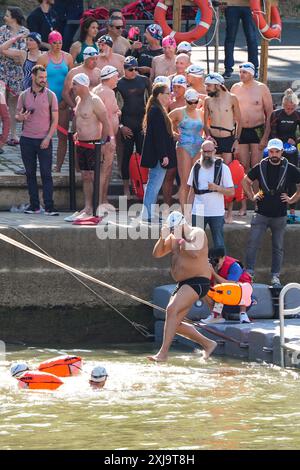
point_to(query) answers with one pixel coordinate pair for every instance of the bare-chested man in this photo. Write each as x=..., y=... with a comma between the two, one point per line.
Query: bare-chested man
x=164, y=64
x=91, y=126
x=107, y=56
x=256, y=106
x=221, y=116
x=182, y=61
x=89, y=68
x=109, y=79
x=195, y=78
x=115, y=29
x=222, y=120
x=191, y=270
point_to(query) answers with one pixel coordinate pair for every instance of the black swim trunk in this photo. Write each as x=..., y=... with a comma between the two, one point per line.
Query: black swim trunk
x=224, y=144
x=201, y=285
x=86, y=155
x=252, y=135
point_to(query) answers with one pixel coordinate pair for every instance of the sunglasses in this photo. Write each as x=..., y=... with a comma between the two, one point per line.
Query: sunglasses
x=118, y=27
x=57, y=42
x=192, y=102
x=131, y=69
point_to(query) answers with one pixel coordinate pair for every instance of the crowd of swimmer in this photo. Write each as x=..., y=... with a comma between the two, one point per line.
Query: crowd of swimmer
x=113, y=89
x=49, y=374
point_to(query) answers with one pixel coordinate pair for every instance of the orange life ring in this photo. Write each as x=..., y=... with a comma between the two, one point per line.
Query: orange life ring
x=62, y=366
x=39, y=381
x=196, y=33
x=272, y=31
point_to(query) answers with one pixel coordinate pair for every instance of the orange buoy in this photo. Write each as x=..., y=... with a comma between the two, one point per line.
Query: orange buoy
x=231, y=293
x=39, y=381
x=269, y=32
x=200, y=30
x=237, y=172
x=62, y=366
x=138, y=175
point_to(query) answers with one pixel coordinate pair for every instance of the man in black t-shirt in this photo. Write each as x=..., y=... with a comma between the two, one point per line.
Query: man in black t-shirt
x=274, y=175
x=132, y=94
x=43, y=20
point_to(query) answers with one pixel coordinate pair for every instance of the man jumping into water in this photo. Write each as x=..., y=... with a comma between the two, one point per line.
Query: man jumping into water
x=190, y=269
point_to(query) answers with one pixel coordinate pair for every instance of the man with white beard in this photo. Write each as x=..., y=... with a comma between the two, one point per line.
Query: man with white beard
x=210, y=180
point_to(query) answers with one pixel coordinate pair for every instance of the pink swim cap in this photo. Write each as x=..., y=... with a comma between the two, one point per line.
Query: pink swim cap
x=54, y=36
x=169, y=41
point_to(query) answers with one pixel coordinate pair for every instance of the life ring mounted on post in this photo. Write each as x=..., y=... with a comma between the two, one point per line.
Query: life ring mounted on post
x=269, y=32
x=200, y=30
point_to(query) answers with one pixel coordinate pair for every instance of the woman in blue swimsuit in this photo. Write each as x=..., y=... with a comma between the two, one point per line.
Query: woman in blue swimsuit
x=58, y=63
x=188, y=128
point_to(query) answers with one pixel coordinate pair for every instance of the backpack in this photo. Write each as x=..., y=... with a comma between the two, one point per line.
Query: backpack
x=217, y=176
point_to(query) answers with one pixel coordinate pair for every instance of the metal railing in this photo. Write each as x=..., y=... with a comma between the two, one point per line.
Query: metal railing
x=295, y=347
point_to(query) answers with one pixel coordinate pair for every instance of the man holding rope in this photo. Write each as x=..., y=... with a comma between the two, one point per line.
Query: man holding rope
x=191, y=270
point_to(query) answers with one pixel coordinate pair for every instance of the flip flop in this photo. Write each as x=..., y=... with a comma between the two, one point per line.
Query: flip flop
x=12, y=142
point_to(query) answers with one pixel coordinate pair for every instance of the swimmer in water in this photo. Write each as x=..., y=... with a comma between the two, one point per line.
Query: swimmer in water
x=98, y=377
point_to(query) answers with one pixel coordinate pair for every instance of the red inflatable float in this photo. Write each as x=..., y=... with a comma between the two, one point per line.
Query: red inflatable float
x=39, y=381
x=62, y=366
x=138, y=175
x=237, y=172
x=200, y=30
x=267, y=31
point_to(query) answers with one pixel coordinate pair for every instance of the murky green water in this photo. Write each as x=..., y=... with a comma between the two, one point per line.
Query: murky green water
x=185, y=404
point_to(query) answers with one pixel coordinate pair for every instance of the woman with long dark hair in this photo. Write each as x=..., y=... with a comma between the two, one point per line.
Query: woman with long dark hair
x=158, y=152
x=11, y=71
x=88, y=31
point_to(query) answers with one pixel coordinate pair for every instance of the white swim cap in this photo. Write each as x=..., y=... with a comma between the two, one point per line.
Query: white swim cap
x=89, y=52
x=191, y=95
x=163, y=80
x=98, y=374
x=81, y=79
x=196, y=70
x=248, y=67
x=108, y=71
x=179, y=80
x=18, y=369
x=214, y=78
x=175, y=219
x=184, y=46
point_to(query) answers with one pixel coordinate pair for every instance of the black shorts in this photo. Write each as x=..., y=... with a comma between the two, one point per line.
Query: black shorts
x=86, y=156
x=201, y=285
x=252, y=135
x=224, y=144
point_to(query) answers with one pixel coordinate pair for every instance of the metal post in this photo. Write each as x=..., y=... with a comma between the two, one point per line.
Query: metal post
x=97, y=177
x=72, y=179
x=217, y=38
x=207, y=53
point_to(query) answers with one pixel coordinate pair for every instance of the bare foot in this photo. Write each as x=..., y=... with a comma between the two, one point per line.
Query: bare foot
x=241, y=213
x=229, y=219
x=157, y=358
x=208, y=351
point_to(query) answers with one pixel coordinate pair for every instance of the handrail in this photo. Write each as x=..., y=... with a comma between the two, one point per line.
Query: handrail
x=282, y=313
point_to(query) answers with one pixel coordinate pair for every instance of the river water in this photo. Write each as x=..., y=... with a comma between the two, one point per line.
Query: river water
x=185, y=404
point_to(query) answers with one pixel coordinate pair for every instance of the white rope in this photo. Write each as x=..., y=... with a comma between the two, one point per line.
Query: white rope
x=76, y=271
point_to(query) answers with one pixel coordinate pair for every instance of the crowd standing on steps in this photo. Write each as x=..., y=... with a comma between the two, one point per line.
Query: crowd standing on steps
x=147, y=95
